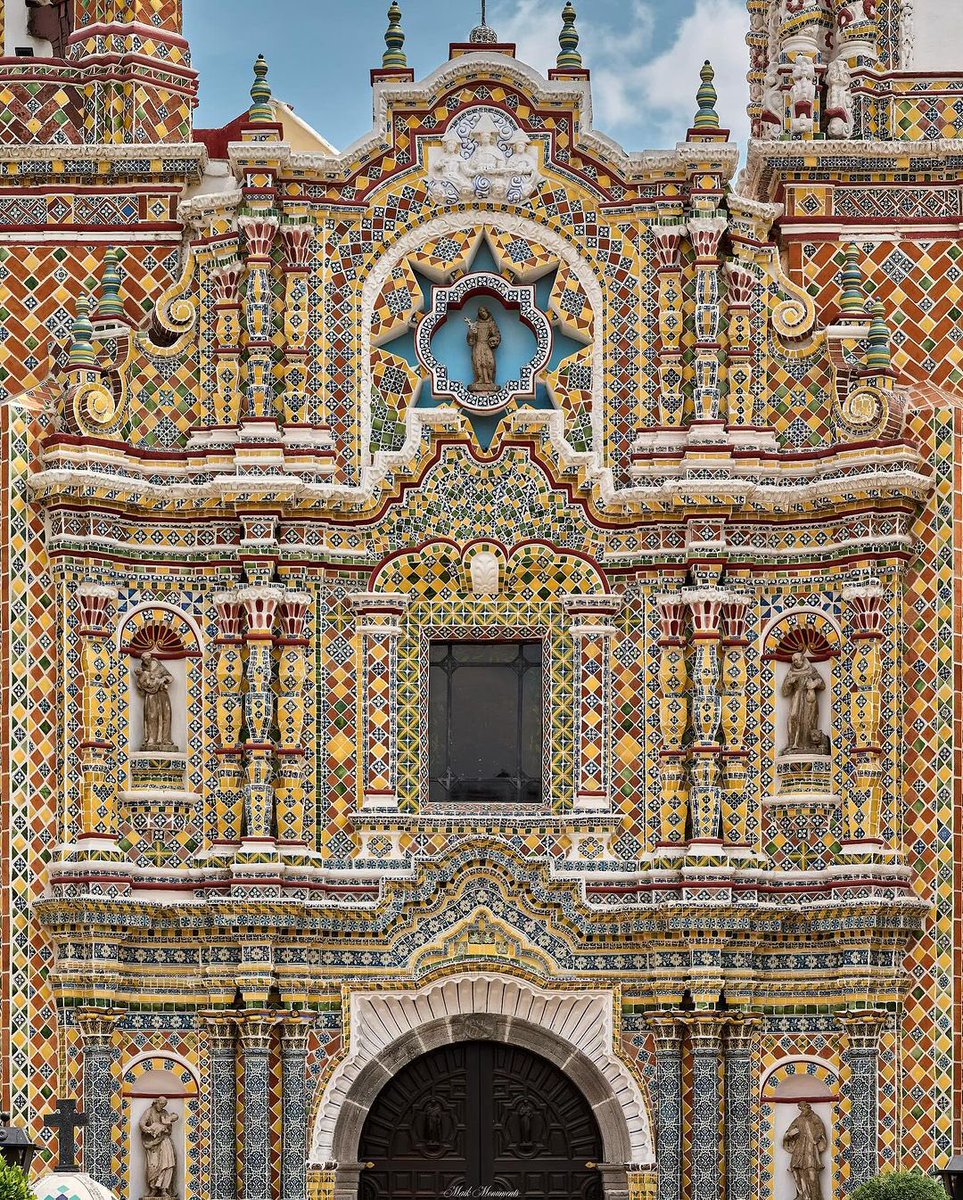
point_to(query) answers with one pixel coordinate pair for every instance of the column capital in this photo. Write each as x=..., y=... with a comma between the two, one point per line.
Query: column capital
x=219, y=1028
x=668, y=1029
x=295, y=1032
x=863, y=1027
x=591, y=611
x=255, y=1029
x=393, y=604
x=741, y=1032
x=705, y=1031
x=97, y=1026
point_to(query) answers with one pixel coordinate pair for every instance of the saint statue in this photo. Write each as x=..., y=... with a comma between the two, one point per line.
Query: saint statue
x=153, y=681
x=806, y=1142
x=484, y=337
x=160, y=1162
x=801, y=688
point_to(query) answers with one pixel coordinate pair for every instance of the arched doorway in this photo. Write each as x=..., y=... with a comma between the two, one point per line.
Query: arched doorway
x=480, y=1115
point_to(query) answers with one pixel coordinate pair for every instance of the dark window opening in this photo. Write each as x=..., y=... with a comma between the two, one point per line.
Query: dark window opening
x=485, y=722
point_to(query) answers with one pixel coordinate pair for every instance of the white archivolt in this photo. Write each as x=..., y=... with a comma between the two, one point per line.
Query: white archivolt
x=575, y=1029
x=477, y=219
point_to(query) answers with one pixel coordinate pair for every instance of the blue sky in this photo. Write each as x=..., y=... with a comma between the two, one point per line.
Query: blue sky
x=644, y=56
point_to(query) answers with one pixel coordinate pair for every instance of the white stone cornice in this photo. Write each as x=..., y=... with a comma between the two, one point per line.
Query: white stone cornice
x=74, y=156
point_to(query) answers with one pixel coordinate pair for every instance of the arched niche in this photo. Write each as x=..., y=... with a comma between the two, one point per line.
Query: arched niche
x=799, y=649
x=789, y=1083
x=145, y=1080
x=170, y=640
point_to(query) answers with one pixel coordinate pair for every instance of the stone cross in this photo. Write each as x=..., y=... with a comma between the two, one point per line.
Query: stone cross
x=66, y=1120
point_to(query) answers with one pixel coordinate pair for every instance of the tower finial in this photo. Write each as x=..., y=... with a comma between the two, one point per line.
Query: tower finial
x=706, y=117
x=261, y=112
x=853, y=300
x=111, y=304
x=394, y=55
x=483, y=34
x=879, y=358
x=82, y=356
x=569, y=57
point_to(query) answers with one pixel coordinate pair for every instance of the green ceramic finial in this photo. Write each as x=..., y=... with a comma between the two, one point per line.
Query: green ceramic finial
x=111, y=304
x=261, y=112
x=81, y=339
x=853, y=300
x=879, y=360
x=394, y=55
x=706, y=117
x=569, y=57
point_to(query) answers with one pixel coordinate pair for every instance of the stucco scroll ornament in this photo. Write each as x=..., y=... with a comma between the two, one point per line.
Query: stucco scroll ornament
x=839, y=99
x=484, y=155
x=806, y=1141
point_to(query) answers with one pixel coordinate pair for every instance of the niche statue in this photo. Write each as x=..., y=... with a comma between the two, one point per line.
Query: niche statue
x=160, y=1163
x=484, y=337
x=801, y=688
x=806, y=1142
x=153, y=681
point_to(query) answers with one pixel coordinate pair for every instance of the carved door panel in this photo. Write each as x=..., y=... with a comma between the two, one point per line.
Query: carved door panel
x=477, y=1115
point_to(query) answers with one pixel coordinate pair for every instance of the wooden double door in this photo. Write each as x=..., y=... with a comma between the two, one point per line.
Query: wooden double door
x=480, y=1119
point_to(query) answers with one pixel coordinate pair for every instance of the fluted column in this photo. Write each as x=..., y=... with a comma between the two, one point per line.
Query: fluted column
x=98, y=735
x=705, y=1036
x=863, y=798
x=861, y=1053
x=229, y=710
x=294, y=1132
x=705, y=605
x=592, y=633
x=97, y=1027
x=293, y=648
x=668, y=1030
x=706, y=234
x=255, y=1030
x=735, y=757
x=379, y=618
x=220, y=1032
x=260, y=604
x=673, y=719
x=741, y=1033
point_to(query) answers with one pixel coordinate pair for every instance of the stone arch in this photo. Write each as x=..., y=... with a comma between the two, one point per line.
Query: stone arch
x=574, y=1030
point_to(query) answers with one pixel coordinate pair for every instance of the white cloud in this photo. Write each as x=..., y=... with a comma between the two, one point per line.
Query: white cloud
x=646, y=102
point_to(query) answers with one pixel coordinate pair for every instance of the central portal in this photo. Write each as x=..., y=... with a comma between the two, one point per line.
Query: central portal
x=480, y=1119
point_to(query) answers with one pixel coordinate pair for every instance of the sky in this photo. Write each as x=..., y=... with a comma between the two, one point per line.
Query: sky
x=644, y=56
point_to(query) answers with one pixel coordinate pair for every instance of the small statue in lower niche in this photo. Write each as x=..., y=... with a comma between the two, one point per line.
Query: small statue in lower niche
x=806, y=1142
x=801, y=688
x=153, y=681
x=160, y=1162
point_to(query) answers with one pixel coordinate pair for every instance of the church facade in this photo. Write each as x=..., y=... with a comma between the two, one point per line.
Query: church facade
x=481, y=626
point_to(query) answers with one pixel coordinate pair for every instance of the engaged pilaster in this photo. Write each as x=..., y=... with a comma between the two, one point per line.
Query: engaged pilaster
x=863, y=1028
x=98, y=737
x=705, y=604
x=97, y=1028
x=741, y=1034
x=673, y=719
x=379, y=621
x=593, y=633
x=260, y=604
x=220, y=1032
x=255, y=1030
x=668, y=1031
x=735, y=757
x=292, y=812
x=863, y=800
x=706, y=234
x=295, y=1032
x=705, y=1037
x=230, y=716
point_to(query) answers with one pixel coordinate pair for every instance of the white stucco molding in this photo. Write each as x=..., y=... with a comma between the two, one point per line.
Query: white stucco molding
x=574, y=1029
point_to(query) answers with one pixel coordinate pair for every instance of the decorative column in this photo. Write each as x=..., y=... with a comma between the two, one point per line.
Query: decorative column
x=379, y=618
x=706, y=234
x=295, y=1032
x=255, y=1030
x=227, y=342
x=741, y=287
x=220, y=1033
x=260, y=604
x=862, y=1028
x=863, y=797
x=741, y=1033
x=667, y=242
x=97, y=745
x=667, y=1030
x=289, y=794
x=229, y=710
x=593, y=635
x=97, y=1026
x=735, y=757
x=705, y=604
x=297, y=266
x=673, y=719
x=856, y=32
x=259, y=231
x=705, y=1037
x=806, y=28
